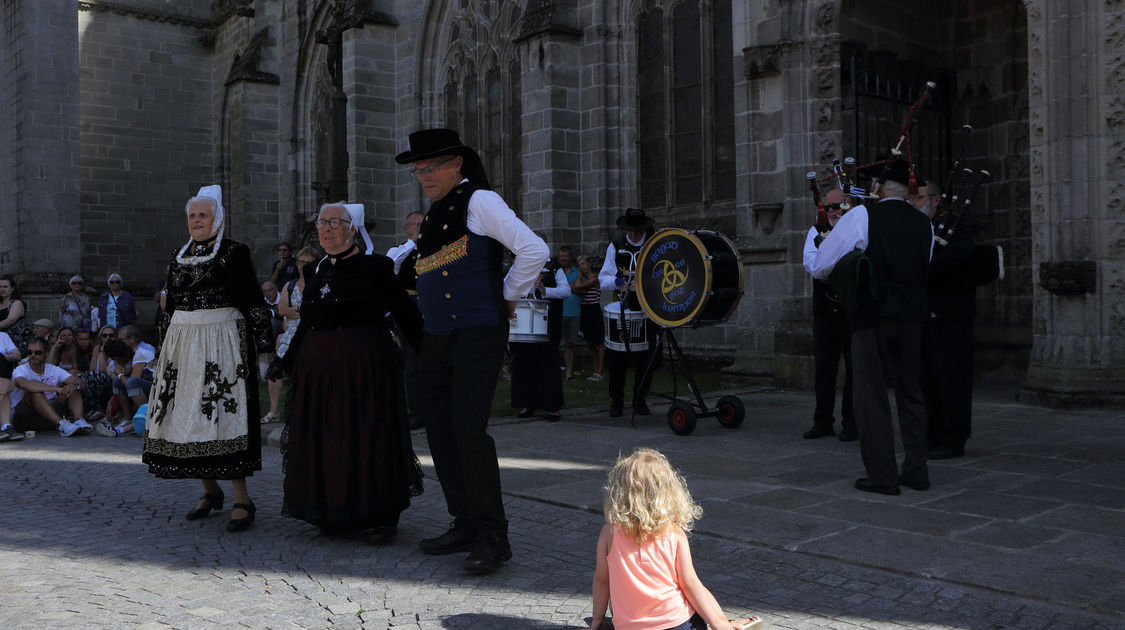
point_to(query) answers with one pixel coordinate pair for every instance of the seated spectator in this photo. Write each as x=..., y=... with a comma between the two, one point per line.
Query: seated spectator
x=74, y=309
x=132, y=382
x=45, y=392
x=9, y=357
x=62, y=351
x=13, y=313
x=116, y=306
x=44, y=329
x=90, y=366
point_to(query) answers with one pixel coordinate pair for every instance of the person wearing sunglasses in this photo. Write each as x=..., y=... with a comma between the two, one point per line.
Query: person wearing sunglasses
x=202, y=420
x=74, y=308
x=46, y=393
x=116, y=306
x=831, y=340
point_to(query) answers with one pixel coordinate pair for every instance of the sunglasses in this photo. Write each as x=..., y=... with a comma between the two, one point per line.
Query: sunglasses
x=115, y=282
x=77, y=284
x=832, y=206
x=37, y=352
x=107, y=335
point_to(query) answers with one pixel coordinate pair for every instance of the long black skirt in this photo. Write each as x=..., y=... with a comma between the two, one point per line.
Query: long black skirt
x=348, y=459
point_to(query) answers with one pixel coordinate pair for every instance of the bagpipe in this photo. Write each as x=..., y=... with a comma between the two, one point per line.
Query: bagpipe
x=958, y=191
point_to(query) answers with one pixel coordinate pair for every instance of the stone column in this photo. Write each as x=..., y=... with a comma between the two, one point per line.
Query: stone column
x=253, y=162
x=1077, y=145
x=550, y=50
x=373, y=133
x=40, y=236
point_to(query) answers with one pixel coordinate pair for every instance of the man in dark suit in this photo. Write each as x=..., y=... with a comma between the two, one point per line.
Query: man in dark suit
x=947, y=343
x=887, y=324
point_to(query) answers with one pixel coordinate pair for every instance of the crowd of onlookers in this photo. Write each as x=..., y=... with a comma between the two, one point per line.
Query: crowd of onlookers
x=84, y=368
x=88, y=372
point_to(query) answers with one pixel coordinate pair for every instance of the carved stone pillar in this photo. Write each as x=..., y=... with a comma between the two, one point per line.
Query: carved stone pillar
x=1077, y=145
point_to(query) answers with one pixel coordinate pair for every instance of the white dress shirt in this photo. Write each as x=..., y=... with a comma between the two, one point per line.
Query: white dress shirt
x=808, y=258
x=490, y=216
x=398, y=253
x=850, y=233
x=559, y=292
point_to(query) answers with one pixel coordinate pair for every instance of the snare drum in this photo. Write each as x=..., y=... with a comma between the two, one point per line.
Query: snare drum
x=530, y=322
x=634, y=329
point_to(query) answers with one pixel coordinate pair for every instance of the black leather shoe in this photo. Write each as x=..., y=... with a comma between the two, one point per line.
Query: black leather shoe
x=241, y=524
x=867, y=485
x=616, y=412
x=946, y=452
x=642, y=409
x=214, y=502
x=489, y=552
x=526, y=413
x=848, y=434
x=916, y=481
x=383, y=535
x=455, y=539
x=817, y=432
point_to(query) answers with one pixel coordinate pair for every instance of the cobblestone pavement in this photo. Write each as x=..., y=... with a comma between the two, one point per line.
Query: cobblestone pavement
x=1024, y=532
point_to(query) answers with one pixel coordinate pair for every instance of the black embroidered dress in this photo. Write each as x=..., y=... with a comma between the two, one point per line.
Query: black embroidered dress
x=203, y=411
x=348, y=460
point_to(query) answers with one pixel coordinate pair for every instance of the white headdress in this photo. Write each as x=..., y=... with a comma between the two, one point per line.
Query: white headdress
x=355, y=212
x=214, y=195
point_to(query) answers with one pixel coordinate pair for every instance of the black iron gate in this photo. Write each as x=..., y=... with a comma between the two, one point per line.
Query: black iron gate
x=878, y=88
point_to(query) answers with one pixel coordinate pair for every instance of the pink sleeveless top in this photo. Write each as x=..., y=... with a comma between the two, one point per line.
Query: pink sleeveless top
x=643, y=586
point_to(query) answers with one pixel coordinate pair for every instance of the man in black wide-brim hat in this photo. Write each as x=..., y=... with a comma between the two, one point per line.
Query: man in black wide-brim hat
x=617, y=274
x=887, y=326
x=466, y=304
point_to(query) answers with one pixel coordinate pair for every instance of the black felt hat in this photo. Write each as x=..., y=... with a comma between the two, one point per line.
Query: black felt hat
x=432, y=143
x=634, y=219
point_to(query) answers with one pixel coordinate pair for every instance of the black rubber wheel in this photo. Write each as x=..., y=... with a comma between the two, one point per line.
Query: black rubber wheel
x=681, y=418
x=730, y=411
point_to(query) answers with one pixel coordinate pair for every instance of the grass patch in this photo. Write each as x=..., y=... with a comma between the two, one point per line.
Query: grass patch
x=576, y=394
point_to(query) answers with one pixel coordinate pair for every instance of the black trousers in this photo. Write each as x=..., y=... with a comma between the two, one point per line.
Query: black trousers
x=459, y=373
x=891, y=347
x=947, y=381
x=536, y=379
x=831, y=339
x=616, y=363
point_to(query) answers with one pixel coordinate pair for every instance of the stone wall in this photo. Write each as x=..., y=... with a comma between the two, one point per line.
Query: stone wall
x=146, y=139
x=40, y=237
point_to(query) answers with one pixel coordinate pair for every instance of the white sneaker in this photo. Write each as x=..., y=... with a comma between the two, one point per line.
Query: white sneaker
x=67, y=428
x=84, y=427
x=105, y=430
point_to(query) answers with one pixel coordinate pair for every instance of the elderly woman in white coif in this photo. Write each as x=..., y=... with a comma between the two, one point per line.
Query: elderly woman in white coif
x=74, y=309
x=203, y=410
x=349, y=462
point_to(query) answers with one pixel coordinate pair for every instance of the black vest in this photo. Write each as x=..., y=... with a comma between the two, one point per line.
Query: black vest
x=899, y=238
x=626, y=260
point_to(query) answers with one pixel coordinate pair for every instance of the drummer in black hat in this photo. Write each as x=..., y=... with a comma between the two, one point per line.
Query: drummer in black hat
x=617, y=274
x=466, y=302
x=897, y=241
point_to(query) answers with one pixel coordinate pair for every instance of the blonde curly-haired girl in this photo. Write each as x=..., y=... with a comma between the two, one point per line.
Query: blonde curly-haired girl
x=643, y=561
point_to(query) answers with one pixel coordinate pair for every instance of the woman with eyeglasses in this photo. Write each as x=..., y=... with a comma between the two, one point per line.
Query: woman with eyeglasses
x=116, y=306
x=74, y=309
x=203, y=408
x=13, y=313
x=349, y=464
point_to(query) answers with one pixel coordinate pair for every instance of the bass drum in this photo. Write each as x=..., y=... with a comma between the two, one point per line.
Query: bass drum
x=689, y=278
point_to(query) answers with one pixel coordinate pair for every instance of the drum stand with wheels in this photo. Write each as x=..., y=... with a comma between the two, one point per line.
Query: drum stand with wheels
x=682, y=414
